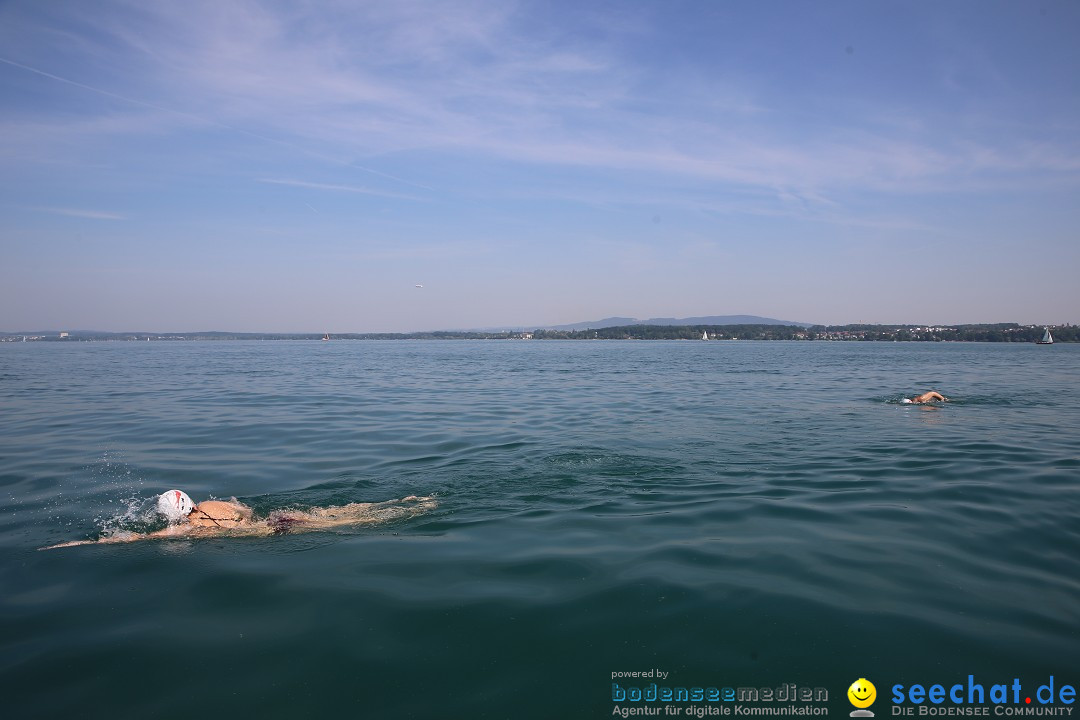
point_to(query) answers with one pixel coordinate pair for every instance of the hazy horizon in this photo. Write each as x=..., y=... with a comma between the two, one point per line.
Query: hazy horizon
x=275, y=167
x=489, y=328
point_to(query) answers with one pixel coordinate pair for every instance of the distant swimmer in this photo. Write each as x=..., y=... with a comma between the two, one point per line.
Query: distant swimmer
x=926, y=397
x=231, y=518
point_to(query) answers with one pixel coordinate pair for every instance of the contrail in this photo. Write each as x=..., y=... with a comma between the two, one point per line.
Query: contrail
x=392, y=177
x=313, y=209
x=216, y=123
x=143, y=103
x=342, y=188
x=107, y=93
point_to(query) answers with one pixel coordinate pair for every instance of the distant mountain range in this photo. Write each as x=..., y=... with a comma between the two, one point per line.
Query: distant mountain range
x=706, y=320
x=621, y=321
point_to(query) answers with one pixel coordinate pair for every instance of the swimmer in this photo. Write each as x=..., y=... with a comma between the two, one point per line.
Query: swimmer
x=925, y=398
x=231, y=518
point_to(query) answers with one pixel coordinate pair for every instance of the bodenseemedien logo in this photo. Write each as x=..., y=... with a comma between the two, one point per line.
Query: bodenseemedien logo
x=862, y=694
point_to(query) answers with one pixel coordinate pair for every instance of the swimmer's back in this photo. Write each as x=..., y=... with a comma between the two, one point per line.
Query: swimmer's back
x=219, y=513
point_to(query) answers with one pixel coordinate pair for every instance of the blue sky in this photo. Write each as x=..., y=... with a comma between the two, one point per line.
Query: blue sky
x=301, y=166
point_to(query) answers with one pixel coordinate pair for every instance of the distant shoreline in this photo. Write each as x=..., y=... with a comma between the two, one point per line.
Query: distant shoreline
x=998, y=332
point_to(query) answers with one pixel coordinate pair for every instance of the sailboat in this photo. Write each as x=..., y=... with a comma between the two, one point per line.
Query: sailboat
x=1047, y=338
x=705, y=335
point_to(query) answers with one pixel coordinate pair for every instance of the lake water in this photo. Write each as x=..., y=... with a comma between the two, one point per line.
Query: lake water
x=731, y=513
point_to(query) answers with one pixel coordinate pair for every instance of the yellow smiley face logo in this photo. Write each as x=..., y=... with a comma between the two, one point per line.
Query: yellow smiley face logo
x=862, y=693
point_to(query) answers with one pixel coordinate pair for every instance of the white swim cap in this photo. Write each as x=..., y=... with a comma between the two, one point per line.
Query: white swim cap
x=174, y=505
x=906, y=401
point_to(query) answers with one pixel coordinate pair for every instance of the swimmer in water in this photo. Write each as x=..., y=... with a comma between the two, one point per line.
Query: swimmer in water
x=925, y=398
x=231, y=518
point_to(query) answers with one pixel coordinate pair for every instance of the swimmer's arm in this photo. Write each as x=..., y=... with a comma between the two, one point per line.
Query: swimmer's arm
x=125, y=537
x=119, y=538
x=71, y=543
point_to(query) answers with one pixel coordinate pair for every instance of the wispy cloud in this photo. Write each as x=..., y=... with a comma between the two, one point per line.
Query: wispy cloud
x=350, y=84
x=79, y=213
x=336, y=188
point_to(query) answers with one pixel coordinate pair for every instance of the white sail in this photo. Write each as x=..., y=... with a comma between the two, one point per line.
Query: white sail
x=1047, y=338
x=705, y=335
